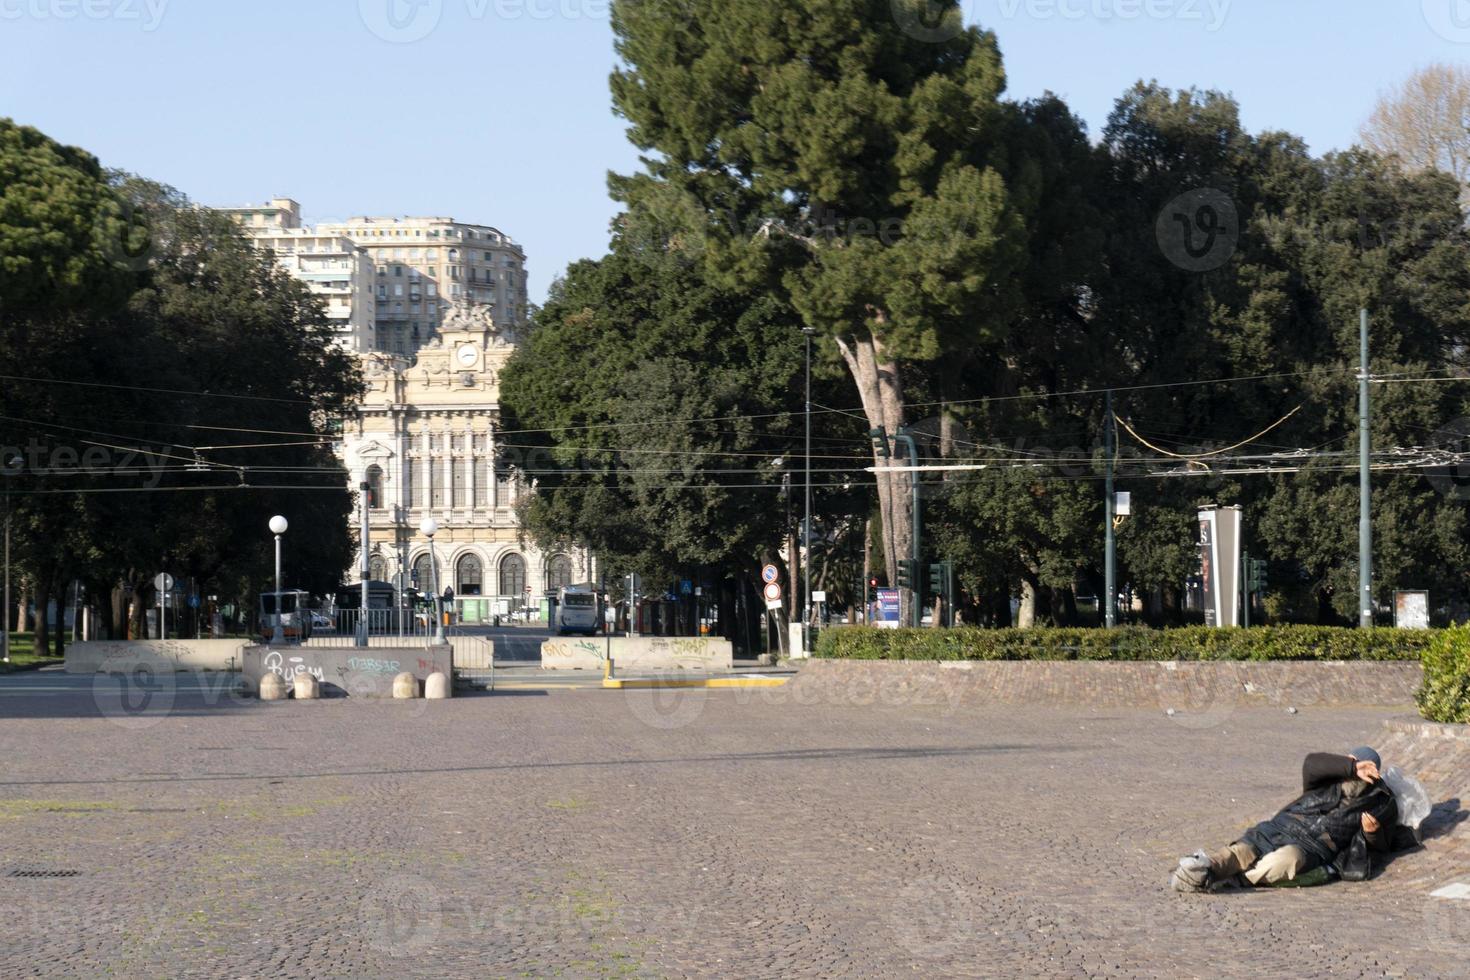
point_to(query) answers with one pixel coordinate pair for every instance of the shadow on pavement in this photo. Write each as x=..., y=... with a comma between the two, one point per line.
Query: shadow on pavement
x=797, y=755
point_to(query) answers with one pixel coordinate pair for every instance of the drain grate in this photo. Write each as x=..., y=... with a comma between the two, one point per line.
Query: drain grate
x=41, y=873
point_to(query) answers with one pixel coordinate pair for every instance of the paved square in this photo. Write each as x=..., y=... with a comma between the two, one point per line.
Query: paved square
x=722, y=833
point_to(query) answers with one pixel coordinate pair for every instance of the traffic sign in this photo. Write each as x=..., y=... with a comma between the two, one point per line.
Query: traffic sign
x=193, y=602
x=773, y=592
x=770, y=573
x=774, y=605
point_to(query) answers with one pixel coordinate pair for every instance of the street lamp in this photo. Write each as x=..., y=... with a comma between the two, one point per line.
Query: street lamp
x=428, y=529
x=278, y=528
x=10, y=465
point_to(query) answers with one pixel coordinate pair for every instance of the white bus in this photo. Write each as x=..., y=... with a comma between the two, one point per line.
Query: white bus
x=577, y=611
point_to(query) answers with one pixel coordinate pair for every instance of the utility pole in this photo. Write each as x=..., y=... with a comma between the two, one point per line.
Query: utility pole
x=916, y=548
x=1110, y=549
x=365, y=568
x=806, y=533
x=1365, y=489
x=1245, y=590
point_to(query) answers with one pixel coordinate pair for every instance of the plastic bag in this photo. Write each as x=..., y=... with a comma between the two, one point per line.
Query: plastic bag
x=1413, y=799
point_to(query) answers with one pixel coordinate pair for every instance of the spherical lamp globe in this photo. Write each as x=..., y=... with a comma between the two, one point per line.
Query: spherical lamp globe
x=279, y=525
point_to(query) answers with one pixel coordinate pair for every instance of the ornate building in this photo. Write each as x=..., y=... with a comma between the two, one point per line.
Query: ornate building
x=425, y=440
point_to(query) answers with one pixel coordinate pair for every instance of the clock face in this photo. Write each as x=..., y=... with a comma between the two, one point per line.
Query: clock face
x=468, y=354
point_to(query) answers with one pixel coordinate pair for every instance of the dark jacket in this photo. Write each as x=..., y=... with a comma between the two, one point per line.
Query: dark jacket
x=1329, y=813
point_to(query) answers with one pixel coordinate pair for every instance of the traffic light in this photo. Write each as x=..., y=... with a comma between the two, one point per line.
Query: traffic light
x=907, y=573
x=938, y=580
x=1256, y=575
x=873, y=589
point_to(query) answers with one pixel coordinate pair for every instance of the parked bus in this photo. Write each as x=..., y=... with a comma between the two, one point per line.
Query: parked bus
x=291, y=610
x=578, y=610
x=383, y=608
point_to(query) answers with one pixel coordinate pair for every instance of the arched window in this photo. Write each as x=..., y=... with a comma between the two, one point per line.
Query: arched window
x=378, y=568
x=469, y=576
x=512, y=575
x=423, y=573
x=558, y=573
x=375, y=487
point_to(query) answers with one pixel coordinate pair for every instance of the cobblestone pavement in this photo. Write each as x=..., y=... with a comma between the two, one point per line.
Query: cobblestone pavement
x=697, y=833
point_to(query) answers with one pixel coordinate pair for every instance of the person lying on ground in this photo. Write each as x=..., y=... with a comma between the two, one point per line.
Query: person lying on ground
x=1342, y=796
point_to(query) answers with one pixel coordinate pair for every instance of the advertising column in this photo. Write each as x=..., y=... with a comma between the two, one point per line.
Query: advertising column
x=1219, y=544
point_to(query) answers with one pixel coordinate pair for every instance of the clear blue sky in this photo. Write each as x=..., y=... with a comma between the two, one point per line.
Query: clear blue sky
x=499, y=113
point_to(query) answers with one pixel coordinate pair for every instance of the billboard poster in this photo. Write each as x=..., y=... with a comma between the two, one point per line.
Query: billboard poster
x=1219, y=537
x=1207, y=567
x=1411, y=610
x=885, y=610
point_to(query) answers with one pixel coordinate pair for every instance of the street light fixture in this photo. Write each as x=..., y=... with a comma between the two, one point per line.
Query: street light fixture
x=428, y=528
x=278, y=527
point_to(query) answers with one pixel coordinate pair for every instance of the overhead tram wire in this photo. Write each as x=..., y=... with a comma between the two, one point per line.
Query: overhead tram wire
x=1213, y=453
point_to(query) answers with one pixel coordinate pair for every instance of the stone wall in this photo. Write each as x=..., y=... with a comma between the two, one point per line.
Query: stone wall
x=353, y=671
x=157, y=655
x=638, y=653
x=1196, y=687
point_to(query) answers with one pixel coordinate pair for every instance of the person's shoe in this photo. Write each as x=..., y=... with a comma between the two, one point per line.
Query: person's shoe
x=1193, y=873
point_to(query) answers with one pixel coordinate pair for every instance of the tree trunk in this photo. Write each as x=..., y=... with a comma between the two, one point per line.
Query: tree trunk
x=1026, y=615
x=881, y=390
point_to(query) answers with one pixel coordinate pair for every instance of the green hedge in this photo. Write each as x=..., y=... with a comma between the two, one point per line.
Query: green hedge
x=1445, y=696
x=1130, y=643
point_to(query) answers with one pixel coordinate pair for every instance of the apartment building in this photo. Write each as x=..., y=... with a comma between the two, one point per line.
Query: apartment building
x=424, y=266
x=417, y=269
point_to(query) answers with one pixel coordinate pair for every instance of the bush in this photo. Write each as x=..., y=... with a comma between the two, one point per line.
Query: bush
x=1131, y=643
x=1445, y=696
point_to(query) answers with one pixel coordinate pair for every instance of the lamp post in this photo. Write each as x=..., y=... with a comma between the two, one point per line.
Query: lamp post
x=806, y=529
x=8, y=468
x=428, y=529
x=278, y=528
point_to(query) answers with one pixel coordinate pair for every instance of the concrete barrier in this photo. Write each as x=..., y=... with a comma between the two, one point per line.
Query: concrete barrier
x=1185, y=686
x=638, y=653
x=272, y=688
x=352, y=671
x=157, y=655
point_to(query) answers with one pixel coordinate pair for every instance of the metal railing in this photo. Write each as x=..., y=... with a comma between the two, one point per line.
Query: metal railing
x=474, y=661
x=385, y=628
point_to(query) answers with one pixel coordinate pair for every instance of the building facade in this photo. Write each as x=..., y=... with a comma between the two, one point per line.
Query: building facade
x=333, y=267
x=423, y=266
x=431, y=305
x=425, y=441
